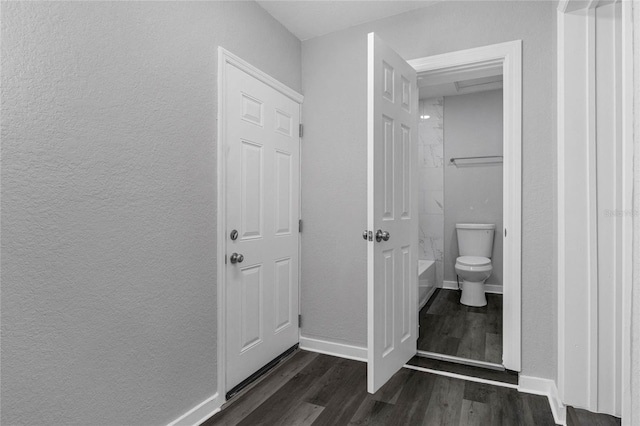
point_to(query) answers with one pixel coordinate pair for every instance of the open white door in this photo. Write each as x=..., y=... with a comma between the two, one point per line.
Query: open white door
x=392, y=213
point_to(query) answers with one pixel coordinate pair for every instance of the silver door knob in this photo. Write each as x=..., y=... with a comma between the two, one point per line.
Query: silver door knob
x=236, y=258
x=382, y=235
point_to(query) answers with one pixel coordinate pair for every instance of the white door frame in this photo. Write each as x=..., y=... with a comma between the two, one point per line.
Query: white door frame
x=508, y=56
x=576, y=120
x=226, y=58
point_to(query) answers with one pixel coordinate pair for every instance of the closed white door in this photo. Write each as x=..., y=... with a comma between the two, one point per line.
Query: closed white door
x=262, y=199
x=392, y=210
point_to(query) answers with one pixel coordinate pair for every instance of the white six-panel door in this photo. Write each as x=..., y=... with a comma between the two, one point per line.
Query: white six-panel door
x=392, y=209
x=262, y=203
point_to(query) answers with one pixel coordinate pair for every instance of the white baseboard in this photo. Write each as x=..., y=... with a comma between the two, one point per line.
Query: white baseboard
x=201, y=412
x=450, y=285
x=548, y=388
x=327, y=347
x=488, y=288
x=493, y=288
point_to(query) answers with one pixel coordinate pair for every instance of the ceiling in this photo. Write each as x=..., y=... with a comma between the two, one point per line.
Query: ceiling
x=309, y=19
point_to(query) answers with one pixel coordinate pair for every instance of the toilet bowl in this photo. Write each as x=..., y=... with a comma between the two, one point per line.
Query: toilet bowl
x=473, y=266
x=473, y=271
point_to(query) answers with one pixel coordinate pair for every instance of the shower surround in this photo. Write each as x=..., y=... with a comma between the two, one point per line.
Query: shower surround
x=431, y=168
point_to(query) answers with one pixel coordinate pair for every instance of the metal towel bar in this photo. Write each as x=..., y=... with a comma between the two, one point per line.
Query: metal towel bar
x=484, y=157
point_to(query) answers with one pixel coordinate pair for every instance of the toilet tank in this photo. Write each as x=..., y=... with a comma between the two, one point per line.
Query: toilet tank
x=475, y=239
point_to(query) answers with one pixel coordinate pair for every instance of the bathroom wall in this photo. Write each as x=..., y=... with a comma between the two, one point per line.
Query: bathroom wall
x=109, y=203
x=334, y=68
x=431, y=172
x=473, y=193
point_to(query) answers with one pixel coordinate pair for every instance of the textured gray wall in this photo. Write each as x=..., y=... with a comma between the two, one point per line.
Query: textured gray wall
x=109, y=201
x=472, y=194
x=334, y=162
x=334, y=181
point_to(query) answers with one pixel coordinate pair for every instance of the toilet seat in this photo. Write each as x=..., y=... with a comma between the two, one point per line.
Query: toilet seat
x=473, y=261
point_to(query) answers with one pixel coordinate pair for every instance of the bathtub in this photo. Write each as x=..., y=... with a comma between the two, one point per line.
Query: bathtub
x=426, y=281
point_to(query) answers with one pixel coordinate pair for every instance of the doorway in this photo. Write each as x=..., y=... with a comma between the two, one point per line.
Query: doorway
x=460, y=179
x=393, y=196
x=258, y=216
x=496, y=71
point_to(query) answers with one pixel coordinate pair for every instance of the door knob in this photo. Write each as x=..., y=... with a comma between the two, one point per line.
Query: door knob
x=236, y=258
x=382, y=235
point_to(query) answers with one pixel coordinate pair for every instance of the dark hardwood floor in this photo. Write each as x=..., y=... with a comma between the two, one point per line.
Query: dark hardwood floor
x=314, y=389
x=451, y=328
x=578, y=417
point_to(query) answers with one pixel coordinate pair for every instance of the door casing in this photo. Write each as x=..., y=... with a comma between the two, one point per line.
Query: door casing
x=508, y=56
x=225, y=59
x=578, y=24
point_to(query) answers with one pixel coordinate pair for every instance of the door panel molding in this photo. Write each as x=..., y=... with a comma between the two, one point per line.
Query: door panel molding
x=392, y=261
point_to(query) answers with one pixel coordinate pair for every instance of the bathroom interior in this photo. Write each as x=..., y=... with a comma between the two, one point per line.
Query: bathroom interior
x=460, y=214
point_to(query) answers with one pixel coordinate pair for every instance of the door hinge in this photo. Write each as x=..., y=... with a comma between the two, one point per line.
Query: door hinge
x=299, y=321
x=300, y=225
x=300, y=130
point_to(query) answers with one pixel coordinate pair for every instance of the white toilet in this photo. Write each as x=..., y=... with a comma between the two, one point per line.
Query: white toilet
x=475, y=246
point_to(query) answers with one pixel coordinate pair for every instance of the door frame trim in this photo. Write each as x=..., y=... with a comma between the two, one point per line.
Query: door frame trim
x=508, y=56
x=226, y=58
x=576, y=23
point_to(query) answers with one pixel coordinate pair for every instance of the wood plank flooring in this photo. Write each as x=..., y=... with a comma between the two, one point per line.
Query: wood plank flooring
x=579, y=417
x=451, y=328
x=315, y=389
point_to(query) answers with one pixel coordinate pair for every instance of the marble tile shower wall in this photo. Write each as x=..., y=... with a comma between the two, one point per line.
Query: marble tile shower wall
x=431, y=165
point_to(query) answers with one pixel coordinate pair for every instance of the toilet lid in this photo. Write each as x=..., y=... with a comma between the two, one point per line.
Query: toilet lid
x=473, y=261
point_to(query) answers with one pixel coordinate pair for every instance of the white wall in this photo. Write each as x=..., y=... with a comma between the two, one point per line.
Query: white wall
x=334, y=187
x=334, y=69
x=109, y=201
x=472, y=192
